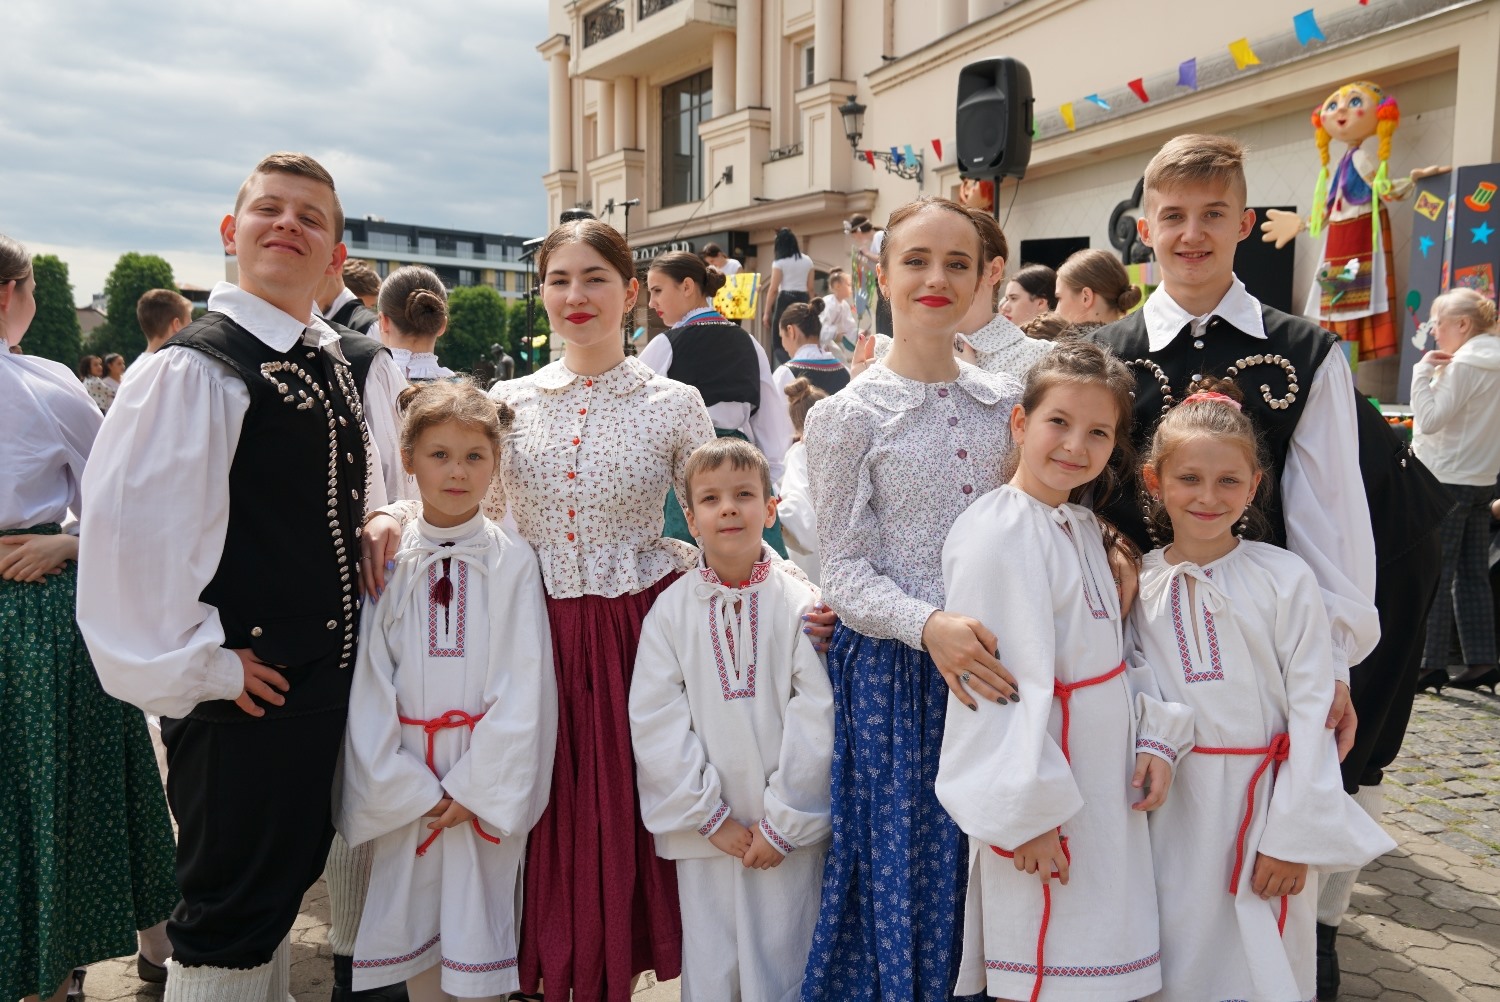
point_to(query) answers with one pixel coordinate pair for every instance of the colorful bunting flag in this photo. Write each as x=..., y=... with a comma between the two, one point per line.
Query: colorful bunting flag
x=870, y=158
x=937, y=149
x=1243, y=54
x=1307, y=28
x=911, y=157
x=1138, y=88
x=1098, y=100
x=1066, y=111
x=1187, y=74
x=895, y=156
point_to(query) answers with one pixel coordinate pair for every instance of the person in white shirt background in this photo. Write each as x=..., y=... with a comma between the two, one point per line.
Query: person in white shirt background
x=1031, y=292
x=713, y=255
x=791, y=280
x=1455, y=399
x=799, y=522
x=89, y=860
x=840, y=328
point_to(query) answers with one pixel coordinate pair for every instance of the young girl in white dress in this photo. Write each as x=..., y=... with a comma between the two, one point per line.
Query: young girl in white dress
x=1055, y=785
x=1236, y=630
x=452, y=720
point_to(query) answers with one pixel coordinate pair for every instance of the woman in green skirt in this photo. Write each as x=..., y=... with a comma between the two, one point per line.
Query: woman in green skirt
x=85, y=840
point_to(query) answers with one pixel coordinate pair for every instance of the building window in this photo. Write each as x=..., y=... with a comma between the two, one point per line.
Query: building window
x=684, y=105
x=804, y=65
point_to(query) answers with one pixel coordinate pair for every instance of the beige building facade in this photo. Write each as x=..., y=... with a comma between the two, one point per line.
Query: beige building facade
x=720, y=118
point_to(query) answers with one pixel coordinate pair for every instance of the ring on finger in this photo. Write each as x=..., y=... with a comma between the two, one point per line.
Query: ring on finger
x=964, y=677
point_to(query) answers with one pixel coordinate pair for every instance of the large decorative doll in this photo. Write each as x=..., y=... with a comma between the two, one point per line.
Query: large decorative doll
x=1355, y=292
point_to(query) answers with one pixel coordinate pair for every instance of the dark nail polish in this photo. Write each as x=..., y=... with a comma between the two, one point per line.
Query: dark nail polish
x=973, y=706
x=1016, y=698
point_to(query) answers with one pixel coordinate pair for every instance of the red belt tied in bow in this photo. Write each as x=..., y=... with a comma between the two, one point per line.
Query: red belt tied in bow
x=453, y=718
x=1063, y=691
x=1271, y=757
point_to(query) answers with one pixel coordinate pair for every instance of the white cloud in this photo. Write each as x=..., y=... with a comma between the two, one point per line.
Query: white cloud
x=129, y=124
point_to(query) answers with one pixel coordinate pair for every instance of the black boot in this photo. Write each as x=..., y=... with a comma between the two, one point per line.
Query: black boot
x=1328, y=962
x=343, y=985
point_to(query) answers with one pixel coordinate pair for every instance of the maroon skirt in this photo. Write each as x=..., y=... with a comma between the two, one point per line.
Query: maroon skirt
x=600, y=905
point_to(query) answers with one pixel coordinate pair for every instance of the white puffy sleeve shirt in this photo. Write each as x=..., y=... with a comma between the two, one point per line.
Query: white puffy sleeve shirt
x=892, y=463
x=50, y=423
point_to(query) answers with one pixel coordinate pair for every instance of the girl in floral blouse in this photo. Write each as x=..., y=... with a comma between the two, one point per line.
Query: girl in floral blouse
x=893, y=460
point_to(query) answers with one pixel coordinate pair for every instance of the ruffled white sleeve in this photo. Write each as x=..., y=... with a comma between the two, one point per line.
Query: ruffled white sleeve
x=1162, y=729
x=1327, y=514
x=506, y=774
x=157, y=485
x=385, y=786
x=1001, y=776
x=797, y=793
x=680, y=789
x=1310, y=819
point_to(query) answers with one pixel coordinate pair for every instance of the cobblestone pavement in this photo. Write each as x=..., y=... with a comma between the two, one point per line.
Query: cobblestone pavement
x=1425, y=920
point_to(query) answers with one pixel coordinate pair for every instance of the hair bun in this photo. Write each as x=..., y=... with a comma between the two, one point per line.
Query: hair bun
x=713, y=281
x=1129, y=298
x=798, y=390
x=406, y=396
x=426, y=312
x=505, y=414
x=817, y=306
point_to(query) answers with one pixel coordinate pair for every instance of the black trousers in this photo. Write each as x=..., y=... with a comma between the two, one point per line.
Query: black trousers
x=1384, y=685
x=254, y=809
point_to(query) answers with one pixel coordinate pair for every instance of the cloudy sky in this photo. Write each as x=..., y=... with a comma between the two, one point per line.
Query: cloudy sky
x=127, y=125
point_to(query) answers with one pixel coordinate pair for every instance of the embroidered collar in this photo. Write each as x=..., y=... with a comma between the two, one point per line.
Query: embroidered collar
x=883, y=388
x=702, y=315
x=419, y=364
x=623, y=379
x=996, y=336
x=274, y=328
x=758, y=573
x=1165, y=319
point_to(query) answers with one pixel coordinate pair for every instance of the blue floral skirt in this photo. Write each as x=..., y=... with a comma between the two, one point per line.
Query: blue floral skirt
x=890, y=927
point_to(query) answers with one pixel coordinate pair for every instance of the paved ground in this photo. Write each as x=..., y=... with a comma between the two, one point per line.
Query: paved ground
x=1425, y=922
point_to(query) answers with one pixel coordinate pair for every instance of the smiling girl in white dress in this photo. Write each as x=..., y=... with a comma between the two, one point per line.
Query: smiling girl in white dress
x=1237, y=630
x=1056, y=786
x=452, y=720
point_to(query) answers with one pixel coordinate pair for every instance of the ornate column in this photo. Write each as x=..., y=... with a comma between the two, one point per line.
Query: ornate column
x=828, y=40
x=747, y=41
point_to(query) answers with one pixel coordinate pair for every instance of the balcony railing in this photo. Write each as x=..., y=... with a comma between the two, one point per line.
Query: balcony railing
x=649, y=7
x=782, y=152
x=602, y=23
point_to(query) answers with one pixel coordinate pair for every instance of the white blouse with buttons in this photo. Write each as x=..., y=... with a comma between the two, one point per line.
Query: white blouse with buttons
x=586, y=469
x=892, y=463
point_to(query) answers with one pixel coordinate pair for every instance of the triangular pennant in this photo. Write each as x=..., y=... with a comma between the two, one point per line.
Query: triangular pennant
x=1307, y=28
x=1187, y=74
x=1138, y=88
x=895, y=156
x=870, y=158
x=937, y=149
x=911, y=156
x=1096, y=99
x=1066, y=111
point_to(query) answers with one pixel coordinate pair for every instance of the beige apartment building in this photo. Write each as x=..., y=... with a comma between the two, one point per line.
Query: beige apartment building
x=719, y=119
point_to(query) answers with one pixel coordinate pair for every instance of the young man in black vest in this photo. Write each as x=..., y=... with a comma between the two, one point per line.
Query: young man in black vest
x=221, y=587
x=1325, y=454
x=339, y=304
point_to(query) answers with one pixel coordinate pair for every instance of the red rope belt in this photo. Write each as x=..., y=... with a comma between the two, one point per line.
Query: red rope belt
x=1271, y=757
x=453, y=718
x=1063, y=691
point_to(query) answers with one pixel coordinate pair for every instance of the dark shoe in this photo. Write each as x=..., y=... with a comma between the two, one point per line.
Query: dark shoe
x=343, y=985
x=75, y=982
x=1434, y=679
x=1328, y=962
x=152, y=974
x=1472, y=680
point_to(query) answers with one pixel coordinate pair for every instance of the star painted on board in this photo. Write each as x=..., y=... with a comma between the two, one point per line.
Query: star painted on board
x=1426, y=244
x=1482, y=233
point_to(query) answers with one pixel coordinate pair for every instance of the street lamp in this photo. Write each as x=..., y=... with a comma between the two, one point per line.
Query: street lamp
x=908, y=167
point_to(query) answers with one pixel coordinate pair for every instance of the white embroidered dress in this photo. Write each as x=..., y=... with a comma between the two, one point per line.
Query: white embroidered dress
x=1039, y=578
x=479, y=672
x=1244, y=641
x=731, y=716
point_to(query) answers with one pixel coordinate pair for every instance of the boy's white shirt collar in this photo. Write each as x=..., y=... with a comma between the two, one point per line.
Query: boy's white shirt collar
x=1165, y=319
x=345, y=295
x=273, y=327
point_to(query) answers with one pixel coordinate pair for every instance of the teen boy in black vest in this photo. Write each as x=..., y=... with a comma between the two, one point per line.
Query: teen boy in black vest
x=1300, y=394
x=221, y=589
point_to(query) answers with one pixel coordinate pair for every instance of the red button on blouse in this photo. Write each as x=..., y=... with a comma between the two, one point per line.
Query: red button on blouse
x=575, y=441
x=571, y=474
x=570, y=537
x=583, y=410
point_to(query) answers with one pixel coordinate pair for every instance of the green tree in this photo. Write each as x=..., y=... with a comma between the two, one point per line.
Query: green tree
x=54, y=333
x=477, y=318
x=133, y=276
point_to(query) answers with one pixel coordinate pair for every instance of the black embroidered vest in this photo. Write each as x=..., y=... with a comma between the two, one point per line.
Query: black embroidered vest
x=356, y=316
x=287, y=586
x=717, y=358
x=827, y=378
x=1275, y=374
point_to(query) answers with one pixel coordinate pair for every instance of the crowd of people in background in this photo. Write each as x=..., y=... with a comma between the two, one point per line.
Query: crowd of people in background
x=985, y=636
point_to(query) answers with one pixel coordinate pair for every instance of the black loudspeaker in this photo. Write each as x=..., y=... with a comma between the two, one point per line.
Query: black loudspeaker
x=1266, y=271
x=994, y=119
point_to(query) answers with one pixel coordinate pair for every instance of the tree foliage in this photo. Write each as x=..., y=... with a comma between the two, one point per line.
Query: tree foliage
x=477, y=318
x=133, y=276
x=54, y=333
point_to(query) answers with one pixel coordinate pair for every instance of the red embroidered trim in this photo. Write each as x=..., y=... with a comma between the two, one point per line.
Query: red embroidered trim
x=457, y=651
x=775, y=839
x=366, y=965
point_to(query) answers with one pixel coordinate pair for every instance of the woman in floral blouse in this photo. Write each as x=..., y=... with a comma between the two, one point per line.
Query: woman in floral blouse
x=894, y=459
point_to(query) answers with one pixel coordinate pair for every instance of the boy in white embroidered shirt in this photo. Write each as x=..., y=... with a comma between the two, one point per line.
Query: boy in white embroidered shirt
x=731, y=718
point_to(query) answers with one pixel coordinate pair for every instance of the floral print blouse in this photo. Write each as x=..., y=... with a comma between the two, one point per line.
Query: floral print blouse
x=892, y=463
